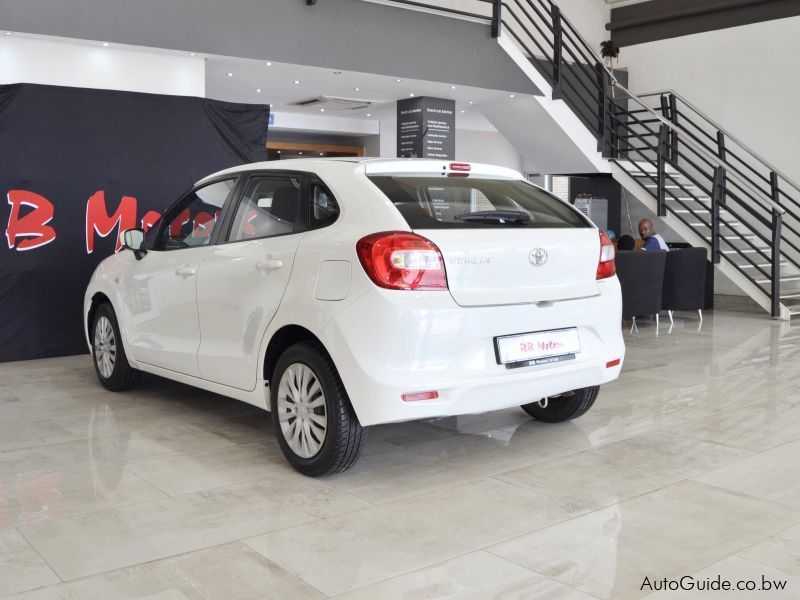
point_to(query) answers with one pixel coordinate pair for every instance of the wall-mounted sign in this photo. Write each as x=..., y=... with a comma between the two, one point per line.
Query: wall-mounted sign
x=426, y=128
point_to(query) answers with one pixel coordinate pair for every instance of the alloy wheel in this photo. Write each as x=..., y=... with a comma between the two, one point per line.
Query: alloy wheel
x=105, y=346
x=301, y=410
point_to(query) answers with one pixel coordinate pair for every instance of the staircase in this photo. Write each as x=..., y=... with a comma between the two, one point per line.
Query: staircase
x=705, y=184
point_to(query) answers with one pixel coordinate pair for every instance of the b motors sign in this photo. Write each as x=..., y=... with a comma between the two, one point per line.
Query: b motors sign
x=78, y=167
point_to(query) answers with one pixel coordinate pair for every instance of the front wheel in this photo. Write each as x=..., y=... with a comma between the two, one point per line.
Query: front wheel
x=566, y=406
x=110, y=361
x=317, y=430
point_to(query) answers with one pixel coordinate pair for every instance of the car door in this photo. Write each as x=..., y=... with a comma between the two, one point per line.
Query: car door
x=242, y=280
x=161, y=288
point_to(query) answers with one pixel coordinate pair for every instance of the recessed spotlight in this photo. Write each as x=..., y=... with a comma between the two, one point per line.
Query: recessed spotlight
x=269, y=64
x=322, y=154
x=192, y=53
x=357, y=89
x=258, y=90
x=279, y=151
x=106, y=44
x=8, y=33
x=270, y=105
x=411, y=94
x=337, y=72
x=470, y=101
x=297, y=82
x=369, y=115
x=463, y=111
x=299, y=152
x=452, y=87
x=230, y=74
x=398, y=80
x=321, y=110
x=511, y=95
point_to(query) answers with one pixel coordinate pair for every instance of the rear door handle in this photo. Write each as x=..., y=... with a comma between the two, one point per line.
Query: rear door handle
x=185, y=271
x=269, y=264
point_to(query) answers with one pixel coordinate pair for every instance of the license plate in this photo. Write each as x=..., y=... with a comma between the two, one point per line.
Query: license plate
x=538, y=347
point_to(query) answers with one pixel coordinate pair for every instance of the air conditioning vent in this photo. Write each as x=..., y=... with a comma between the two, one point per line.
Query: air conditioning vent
x=332, y=103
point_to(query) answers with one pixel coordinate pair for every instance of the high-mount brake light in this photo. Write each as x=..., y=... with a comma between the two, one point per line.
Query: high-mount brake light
x=606, y=267
x=464, y=167
x=401, y=260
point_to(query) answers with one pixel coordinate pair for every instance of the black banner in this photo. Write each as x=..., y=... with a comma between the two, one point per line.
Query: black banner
x=426, y=128
x=77, y=167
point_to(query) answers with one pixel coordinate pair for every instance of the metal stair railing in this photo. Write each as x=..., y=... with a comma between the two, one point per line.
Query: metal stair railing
x=657, y=150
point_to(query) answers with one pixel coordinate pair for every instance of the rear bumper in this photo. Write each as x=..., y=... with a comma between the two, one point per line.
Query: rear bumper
x=390, y=343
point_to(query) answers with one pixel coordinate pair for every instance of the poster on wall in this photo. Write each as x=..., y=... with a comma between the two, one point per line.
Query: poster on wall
x=426, y=128
x=79, y=166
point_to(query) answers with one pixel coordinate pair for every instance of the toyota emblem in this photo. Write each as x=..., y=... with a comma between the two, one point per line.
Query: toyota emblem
x=538, y=257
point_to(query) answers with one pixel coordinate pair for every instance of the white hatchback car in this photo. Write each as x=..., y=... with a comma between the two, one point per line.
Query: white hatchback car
x=343, y=293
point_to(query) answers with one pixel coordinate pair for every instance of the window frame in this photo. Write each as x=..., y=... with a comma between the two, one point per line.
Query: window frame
x=178, y=205
x=301, y=224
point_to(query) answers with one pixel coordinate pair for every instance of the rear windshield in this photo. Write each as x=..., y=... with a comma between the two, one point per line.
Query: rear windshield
x=469, y=202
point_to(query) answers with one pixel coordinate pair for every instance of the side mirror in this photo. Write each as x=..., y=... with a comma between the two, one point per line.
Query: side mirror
x=133, y=239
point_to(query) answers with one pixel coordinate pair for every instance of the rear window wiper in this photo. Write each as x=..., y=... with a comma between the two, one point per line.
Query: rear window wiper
x=496, y=216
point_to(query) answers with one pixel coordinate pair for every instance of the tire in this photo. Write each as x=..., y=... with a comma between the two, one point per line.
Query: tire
x=314, y=451
x=564, y=407
x=108, y=354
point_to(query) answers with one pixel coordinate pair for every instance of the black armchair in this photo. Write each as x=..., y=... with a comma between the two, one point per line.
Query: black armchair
x=641, y=276
x=685, y=281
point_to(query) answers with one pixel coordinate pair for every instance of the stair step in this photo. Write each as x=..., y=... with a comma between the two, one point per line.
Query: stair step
x=795, y=296
x=795, y=278
x=729, y=225
x=762, y=265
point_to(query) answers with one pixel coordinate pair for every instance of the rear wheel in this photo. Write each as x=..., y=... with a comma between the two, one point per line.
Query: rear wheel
x=317, y=430
x=566, y=406
x=110, y=361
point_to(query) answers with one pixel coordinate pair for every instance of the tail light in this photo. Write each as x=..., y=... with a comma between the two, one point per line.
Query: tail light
x=401, y=260
x=606, y=267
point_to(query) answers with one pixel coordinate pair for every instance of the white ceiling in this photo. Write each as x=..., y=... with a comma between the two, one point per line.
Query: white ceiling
x=276, y=82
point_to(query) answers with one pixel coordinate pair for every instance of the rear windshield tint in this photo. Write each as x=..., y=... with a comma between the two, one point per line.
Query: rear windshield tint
x=471, y=202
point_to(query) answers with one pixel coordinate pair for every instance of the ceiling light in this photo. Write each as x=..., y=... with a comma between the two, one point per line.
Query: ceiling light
x=337, y=72
x=463, y=111
x=269, y=64
x=470, y=101
x=321, y=110
x=357, y=89
x=299, y=152
x=106, y=44
x=411, y=94
x=258, y=90
x=8, y=33
x=270, y=105
x=369, y=115
x=279, y=151
x=452, y=87
x=230, y=74
x=511, y=95
x=398, y=80
x=192, y=53
x=322, y=154
x=297, y=82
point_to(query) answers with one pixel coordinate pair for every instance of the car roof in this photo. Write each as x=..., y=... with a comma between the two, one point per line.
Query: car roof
x=418, y=166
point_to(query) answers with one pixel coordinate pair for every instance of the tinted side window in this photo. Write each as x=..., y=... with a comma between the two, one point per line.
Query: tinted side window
x=192, y=221
x=268, y=208
x=324, y=208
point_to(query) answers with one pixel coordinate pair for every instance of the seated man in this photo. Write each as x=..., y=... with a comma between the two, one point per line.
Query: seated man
x=652, y=240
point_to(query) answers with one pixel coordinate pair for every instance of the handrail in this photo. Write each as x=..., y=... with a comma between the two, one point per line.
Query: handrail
x=615, y=82
x=727, y=134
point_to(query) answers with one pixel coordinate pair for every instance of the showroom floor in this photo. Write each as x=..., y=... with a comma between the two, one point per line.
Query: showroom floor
x=689, y=464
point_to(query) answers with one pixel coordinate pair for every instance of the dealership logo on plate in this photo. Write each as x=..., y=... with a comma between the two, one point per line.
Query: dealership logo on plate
x=538, y=257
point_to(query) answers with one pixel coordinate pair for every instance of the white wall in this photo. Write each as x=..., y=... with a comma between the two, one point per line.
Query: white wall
x=486, y=147
x=90, y=65
x=745, y=78
x=589, y=17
